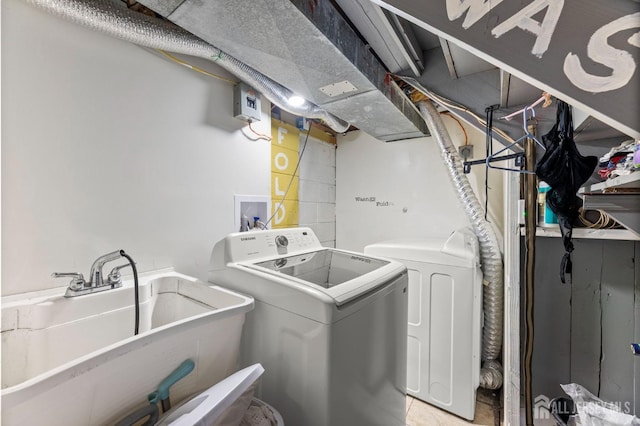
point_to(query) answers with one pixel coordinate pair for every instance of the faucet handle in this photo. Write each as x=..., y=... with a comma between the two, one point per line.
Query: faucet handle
x=77, y=281
x=115, y=278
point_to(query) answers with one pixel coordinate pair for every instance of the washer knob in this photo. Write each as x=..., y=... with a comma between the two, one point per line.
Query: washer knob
x=282, y=241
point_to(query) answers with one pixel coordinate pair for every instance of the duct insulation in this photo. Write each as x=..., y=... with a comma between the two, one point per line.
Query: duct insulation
x=491, y=375
x=116, y=20
x=309, y=47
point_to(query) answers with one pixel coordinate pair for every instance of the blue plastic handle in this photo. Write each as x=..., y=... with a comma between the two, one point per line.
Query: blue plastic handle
x=162, y=392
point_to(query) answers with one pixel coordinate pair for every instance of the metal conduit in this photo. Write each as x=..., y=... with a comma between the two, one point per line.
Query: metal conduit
x=491, y=375
x=117, y=21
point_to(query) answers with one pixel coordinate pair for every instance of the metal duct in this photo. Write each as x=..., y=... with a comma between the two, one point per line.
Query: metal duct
x=309, y=47
x=118, y=21
x=491, y=260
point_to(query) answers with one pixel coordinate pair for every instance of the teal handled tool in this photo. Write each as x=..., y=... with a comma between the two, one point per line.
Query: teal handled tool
x=162, y=393
x=150, y=412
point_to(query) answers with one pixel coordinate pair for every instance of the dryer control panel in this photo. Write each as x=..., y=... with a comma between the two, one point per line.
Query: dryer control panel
x=243, y=246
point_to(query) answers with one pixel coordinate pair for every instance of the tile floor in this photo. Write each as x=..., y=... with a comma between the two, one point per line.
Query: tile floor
x=420, y=413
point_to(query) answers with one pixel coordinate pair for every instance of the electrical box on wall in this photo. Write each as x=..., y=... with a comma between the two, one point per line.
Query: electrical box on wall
x=246, y=103
x=466, y=151
x=302, y=123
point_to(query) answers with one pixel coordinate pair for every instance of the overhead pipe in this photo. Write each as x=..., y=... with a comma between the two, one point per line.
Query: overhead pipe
x=118, y=21
x=491, y=374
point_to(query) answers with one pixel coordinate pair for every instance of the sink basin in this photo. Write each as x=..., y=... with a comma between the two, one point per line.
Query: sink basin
x=55, y=348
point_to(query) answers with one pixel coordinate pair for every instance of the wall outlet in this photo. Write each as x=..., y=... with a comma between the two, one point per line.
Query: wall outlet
x=522, y=213
x=466, y=151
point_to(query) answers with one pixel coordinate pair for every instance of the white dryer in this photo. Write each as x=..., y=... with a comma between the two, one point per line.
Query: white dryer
x=445, y=317
x=329, y=326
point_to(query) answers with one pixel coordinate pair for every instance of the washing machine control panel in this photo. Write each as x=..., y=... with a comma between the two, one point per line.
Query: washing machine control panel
x=245, y=246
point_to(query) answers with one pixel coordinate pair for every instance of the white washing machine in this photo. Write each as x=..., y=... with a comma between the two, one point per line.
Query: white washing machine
x=445, y=317
x=329, y=326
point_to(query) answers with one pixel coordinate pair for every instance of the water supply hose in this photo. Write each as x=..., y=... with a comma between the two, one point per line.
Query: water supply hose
x=491, y=374
x=117, y=21
x=136, y=295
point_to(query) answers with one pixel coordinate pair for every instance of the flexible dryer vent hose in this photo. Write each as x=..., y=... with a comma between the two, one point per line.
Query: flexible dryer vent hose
x=114, y=19
x=491, y=375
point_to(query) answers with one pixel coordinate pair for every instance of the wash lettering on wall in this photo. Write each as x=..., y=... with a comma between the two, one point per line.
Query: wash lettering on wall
x=373, y=201
x=572, y=49
x=284, y=177
x=620, y=61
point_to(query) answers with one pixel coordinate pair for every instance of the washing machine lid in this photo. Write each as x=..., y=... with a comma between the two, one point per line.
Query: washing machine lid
x=207, y=407
x=290, y=261
x=342, y=275
x=326, y=268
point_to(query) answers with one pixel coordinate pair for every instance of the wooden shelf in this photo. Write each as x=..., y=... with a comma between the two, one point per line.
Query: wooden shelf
x=587, y=233
x=623, y=206
x=628, y=181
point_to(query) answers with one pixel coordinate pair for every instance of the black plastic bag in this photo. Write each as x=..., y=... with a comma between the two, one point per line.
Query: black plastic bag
x=565, y=170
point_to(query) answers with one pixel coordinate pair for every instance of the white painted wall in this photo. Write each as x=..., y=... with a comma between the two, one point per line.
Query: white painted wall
x=408, y=175
x=109, y=146
x=317, y=193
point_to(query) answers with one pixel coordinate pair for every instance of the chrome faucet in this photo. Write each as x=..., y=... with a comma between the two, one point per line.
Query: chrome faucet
x=78, y=286
x=96, y=269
